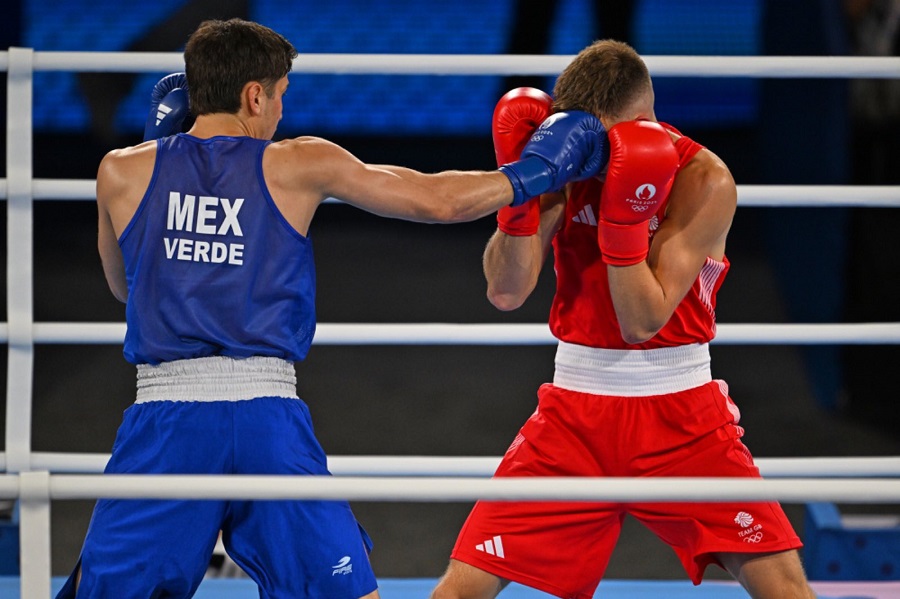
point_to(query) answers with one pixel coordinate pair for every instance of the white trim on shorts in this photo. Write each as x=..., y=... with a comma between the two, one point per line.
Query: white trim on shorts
x=216, y=378
x=631, y=372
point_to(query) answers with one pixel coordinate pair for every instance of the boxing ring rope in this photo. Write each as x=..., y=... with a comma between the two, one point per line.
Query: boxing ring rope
x=791, y=67
x=112, y=333
x=444, y=489
x=484, y=466
x=393, y=478
x=805, y=196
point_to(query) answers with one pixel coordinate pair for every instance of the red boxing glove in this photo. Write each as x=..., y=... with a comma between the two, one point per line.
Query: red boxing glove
x=642, y=166
x=516, y=116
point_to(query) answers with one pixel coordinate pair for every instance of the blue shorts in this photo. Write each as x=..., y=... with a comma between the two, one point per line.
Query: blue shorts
x=162, y=548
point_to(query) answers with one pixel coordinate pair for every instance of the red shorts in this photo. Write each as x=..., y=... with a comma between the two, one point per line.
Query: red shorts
x=563, y=548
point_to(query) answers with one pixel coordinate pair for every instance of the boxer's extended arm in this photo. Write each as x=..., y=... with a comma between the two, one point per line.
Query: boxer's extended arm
x=302, y=172
x=566, y=147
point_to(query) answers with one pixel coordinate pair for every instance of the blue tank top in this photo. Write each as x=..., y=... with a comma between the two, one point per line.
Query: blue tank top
x=213, y=268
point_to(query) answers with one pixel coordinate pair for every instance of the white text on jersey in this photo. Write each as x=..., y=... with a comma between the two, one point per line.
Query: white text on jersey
x=181, y=214
x=199, y=215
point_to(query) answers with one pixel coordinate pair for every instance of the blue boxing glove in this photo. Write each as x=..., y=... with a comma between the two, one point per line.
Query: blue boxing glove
x=567, y=146
x=169, y=106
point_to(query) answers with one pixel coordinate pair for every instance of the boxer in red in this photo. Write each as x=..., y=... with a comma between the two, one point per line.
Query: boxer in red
x=639, y=254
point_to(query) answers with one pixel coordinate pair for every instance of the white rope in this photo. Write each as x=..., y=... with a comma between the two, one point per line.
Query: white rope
x=808, y=334
x=852, y=467
x=833, y=67
x=112, y=333
x=484, y=466
x=875, y=196
x=880, y=196
x=455, y=489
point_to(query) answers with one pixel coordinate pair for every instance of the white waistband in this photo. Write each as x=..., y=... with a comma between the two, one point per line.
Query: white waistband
x=631, y=372
x=216, y=378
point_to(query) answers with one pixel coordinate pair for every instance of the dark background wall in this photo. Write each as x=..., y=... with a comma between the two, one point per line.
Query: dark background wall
x=790, y=265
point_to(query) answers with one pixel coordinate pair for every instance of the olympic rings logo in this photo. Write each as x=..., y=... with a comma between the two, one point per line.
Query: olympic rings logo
x=754, y=538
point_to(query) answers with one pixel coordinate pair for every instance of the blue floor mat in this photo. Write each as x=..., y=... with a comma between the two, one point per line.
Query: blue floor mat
x=419, y=588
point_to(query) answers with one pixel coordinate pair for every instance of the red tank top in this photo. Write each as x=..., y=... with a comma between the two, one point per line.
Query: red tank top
x=582, y=310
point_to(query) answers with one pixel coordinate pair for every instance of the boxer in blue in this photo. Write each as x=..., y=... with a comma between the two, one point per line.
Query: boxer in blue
x=203, y=235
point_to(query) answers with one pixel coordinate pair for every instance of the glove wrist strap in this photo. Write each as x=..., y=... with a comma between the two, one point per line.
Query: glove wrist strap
x=624, y=245
x=520, y=221
x=530, y=177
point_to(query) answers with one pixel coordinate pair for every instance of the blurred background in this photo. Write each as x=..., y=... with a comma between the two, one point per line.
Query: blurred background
x=789, y=264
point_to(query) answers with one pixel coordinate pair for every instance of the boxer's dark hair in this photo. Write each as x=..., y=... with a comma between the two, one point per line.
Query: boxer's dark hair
x=221, y=57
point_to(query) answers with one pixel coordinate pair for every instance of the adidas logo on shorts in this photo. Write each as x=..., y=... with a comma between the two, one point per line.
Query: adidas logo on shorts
x=492, y=546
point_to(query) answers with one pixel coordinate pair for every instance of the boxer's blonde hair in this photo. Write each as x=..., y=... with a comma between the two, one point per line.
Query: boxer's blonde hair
x=602, y=79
